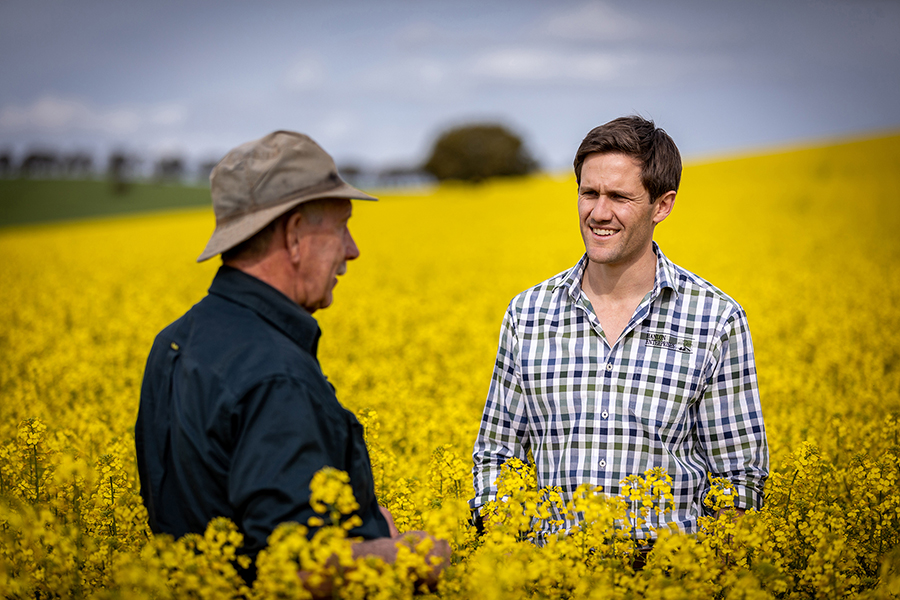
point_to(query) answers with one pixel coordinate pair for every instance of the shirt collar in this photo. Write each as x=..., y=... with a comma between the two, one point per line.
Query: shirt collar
x=665, y=276
x=270, y=304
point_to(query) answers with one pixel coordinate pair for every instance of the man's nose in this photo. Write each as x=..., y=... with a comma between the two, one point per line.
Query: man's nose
x=602, y=210
x=352, y=251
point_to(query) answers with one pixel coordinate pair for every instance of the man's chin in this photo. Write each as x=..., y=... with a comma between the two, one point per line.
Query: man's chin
x=601, y=257
x=312, y=307
x=326, y=302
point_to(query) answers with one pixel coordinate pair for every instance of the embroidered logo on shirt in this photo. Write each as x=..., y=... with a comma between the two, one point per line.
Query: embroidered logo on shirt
x=663, y=340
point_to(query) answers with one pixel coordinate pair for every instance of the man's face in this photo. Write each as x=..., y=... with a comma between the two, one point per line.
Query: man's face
x=325, y=247
x=614, y=209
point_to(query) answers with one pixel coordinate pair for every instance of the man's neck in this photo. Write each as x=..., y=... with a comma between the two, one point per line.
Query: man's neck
x=615, y=291
x=269, y=269
x=620, y=282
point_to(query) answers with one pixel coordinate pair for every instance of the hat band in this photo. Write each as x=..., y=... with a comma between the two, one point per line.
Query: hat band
x=332, y=182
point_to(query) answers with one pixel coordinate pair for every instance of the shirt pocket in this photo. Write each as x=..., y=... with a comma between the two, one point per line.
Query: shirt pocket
x=662, y=388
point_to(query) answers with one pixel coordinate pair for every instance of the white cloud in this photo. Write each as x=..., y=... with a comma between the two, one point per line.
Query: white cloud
x=419, y=32
x=172, y=145
x=596, y=21
x=546, y=66
x=417, y=77
x=52, y=114
x=307, y=73
x=338, y=125
x=169, y=115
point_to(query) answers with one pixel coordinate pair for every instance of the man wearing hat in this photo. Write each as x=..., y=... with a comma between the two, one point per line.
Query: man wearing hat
x=236, y=416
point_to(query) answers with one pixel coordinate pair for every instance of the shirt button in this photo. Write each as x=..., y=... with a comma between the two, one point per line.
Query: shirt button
x=604, y=414
x=609, y=367
x=602, y=463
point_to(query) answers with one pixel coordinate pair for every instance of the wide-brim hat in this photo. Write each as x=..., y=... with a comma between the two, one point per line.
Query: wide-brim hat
x=259, y=181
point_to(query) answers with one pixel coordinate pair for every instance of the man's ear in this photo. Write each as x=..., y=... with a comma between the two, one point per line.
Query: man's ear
x=293, y=235
x=664, y=205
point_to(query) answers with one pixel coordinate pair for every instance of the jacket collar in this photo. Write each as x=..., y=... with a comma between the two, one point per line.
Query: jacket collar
x=270, y=304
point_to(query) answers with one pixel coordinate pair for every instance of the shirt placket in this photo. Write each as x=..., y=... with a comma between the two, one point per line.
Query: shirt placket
x=599, y=353
x=611, y=370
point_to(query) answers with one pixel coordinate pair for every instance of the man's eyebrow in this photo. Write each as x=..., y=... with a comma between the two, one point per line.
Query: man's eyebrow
x=611, y=192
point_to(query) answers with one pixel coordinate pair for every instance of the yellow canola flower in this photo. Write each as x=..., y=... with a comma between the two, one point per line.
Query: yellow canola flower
x=409, y=344
x=331, y=495
x=31, y=432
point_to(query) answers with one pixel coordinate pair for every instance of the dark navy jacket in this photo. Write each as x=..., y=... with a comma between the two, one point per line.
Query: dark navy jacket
x=236, y=417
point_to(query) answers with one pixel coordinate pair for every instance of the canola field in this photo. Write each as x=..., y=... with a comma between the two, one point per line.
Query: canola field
x=807, y=241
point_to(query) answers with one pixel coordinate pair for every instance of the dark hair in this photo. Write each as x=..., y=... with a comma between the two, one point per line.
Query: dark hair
x=642, y=140
x=256, y=246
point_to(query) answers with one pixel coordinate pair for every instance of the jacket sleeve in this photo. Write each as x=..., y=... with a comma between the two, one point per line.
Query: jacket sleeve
x=286, y=432
x=503, y=433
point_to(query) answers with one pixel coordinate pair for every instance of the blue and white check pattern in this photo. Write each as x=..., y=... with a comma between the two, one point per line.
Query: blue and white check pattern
x=678, y=390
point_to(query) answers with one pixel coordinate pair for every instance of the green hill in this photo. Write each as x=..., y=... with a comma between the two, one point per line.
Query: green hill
x=33, y=201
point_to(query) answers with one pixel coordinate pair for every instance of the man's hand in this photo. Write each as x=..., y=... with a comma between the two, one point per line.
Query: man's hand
x=738, y=512
x=386, y=549
x=390, y=521
x=440, y=549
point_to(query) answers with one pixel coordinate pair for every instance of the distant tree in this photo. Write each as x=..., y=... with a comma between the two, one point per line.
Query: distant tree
x=6, y=164
x=204, y=170
x=351, y=173
x=477, y=152
x=78, y=164
x=170, y=168
x=403, y=176
x=39, y=163
x=120, y=171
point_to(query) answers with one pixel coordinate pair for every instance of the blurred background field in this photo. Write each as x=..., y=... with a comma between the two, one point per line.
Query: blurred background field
x=806, y=240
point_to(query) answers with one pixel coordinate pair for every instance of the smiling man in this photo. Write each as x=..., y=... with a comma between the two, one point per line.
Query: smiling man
x=626, y=361
x=236, y=416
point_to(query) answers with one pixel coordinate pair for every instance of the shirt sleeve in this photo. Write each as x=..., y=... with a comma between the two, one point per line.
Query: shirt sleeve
x=503, y=433
x=730, y=420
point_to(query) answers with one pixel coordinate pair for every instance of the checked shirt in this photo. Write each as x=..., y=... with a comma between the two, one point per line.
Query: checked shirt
x=677, y=390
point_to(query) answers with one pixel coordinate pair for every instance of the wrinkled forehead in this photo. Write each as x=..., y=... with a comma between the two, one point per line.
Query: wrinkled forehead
x=343, y=207
x=338, y=208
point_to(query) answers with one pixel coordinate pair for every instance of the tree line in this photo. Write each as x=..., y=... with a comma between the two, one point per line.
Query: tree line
x=473, y=152
x=51, y=164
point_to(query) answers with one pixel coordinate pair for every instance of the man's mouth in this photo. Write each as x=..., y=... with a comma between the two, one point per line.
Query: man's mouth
x=603, y=232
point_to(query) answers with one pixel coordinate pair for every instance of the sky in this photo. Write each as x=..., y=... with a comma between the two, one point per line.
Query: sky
x=375, y=82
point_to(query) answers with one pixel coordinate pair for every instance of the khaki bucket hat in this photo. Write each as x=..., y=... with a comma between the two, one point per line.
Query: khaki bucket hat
x=259, y=181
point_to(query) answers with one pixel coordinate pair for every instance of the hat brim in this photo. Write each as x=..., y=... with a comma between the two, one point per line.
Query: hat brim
x=232, y=232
